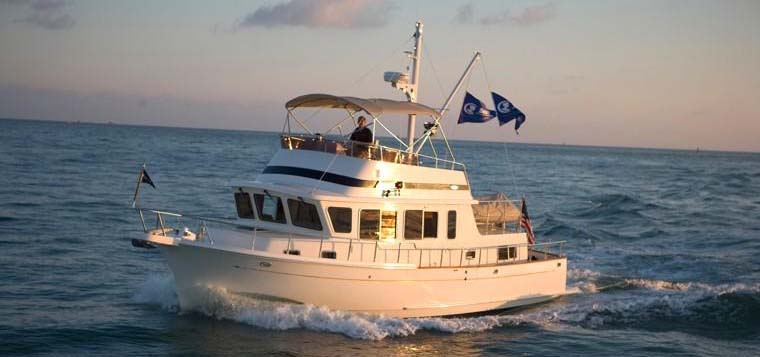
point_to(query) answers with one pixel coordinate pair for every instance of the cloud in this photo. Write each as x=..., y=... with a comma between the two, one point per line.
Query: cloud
x=465, y=14
x=495, y=19
x=531, y=15
x=45, y=14
x=320, y=13
x=48, y=5
x=14, y=2
x=534, y=15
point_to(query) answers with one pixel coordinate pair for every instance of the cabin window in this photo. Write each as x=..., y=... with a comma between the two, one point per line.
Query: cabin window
x=304, y=215
x=507, y=253
x=340, y=218
x=377, y=224
x=430, y=226
x=413, y=224
x=420, y=224
x=388, y=225
x=451, y=228
x=269, y=208
x=243, y=205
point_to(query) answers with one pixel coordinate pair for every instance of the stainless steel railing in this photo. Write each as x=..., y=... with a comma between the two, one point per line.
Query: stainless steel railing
x=365, y=151
x=351, y=250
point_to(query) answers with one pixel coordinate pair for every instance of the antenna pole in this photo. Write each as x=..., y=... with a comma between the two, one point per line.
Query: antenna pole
x=459, y=84
x=414, y=90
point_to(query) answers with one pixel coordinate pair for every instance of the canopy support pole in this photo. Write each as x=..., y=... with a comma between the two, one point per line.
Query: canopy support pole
x=378, y=121
x=300, y=123
x=350, y=115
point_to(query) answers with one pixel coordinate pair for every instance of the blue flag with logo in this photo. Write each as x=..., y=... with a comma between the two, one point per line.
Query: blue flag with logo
x=506, y=111
x=474, y=111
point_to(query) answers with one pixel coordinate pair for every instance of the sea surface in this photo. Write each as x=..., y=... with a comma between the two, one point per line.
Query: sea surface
x=664, y=250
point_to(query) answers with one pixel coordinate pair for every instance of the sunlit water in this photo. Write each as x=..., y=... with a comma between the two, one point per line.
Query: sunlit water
x=664, y=250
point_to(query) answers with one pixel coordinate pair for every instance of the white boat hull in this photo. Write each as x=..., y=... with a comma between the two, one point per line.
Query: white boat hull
x=393, y=290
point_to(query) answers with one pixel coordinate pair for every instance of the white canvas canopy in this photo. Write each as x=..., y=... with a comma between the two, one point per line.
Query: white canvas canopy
x=495, y=208
x=373, y=106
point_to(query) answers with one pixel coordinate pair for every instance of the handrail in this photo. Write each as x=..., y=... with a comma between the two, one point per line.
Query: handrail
x=363, y=150
x=398, y=252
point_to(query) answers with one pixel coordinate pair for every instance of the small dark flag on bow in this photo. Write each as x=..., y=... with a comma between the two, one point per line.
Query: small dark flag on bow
x=144, y=178
x=525, y=223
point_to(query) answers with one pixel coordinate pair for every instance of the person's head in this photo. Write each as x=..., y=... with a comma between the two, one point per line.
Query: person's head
x=362, y=121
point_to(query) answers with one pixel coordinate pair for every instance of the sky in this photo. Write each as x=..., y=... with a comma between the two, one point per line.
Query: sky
x=661, y=74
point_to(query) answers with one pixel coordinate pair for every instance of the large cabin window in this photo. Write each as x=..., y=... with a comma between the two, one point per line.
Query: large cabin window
x=451, y=228
x=243, y=205
x=304, y=215
x=269, y=208
x=377, y=224
x=420, y=224
x=340, y=218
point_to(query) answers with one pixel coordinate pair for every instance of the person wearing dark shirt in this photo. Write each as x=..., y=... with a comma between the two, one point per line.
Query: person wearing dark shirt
x=362, y=133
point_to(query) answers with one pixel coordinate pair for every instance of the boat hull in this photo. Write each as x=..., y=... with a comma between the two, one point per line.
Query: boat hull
x=391, y=290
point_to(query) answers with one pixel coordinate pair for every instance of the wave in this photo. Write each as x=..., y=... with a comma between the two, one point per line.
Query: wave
x=220, y=304
x=158, y=290
x=575, y=274
x=719, y=311
x=599, y=302
x=589, y=281
x=555, y=227
x=616, y=205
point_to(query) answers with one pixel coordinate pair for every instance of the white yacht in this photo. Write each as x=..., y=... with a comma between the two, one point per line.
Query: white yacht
x=366, y=227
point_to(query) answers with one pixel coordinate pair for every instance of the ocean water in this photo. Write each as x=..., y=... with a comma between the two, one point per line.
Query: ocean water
x=664, y=250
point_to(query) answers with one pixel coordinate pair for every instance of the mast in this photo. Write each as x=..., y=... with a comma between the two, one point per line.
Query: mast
x=414, y=90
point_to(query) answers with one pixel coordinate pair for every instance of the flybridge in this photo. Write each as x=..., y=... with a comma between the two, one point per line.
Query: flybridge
x=473, y=111
x=377, y=107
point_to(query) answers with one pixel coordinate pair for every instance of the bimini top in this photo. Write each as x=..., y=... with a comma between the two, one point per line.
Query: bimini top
x=373, y=106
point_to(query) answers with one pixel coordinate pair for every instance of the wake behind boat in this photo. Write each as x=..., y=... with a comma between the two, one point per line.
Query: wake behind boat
x=365, y=227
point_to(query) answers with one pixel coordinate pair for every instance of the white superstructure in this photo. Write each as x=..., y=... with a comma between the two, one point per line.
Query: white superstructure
x=362, y=226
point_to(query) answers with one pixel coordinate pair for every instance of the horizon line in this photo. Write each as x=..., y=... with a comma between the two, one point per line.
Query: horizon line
x=697, y=149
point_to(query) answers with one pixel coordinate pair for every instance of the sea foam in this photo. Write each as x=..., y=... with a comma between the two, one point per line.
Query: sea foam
x=220, y=304
x=638, y=301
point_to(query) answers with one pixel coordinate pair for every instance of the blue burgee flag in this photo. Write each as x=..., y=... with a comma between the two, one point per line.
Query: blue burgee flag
x=506, y=111
x=474, y=111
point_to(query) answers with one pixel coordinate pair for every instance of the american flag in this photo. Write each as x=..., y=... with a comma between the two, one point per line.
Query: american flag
x=525, y=223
